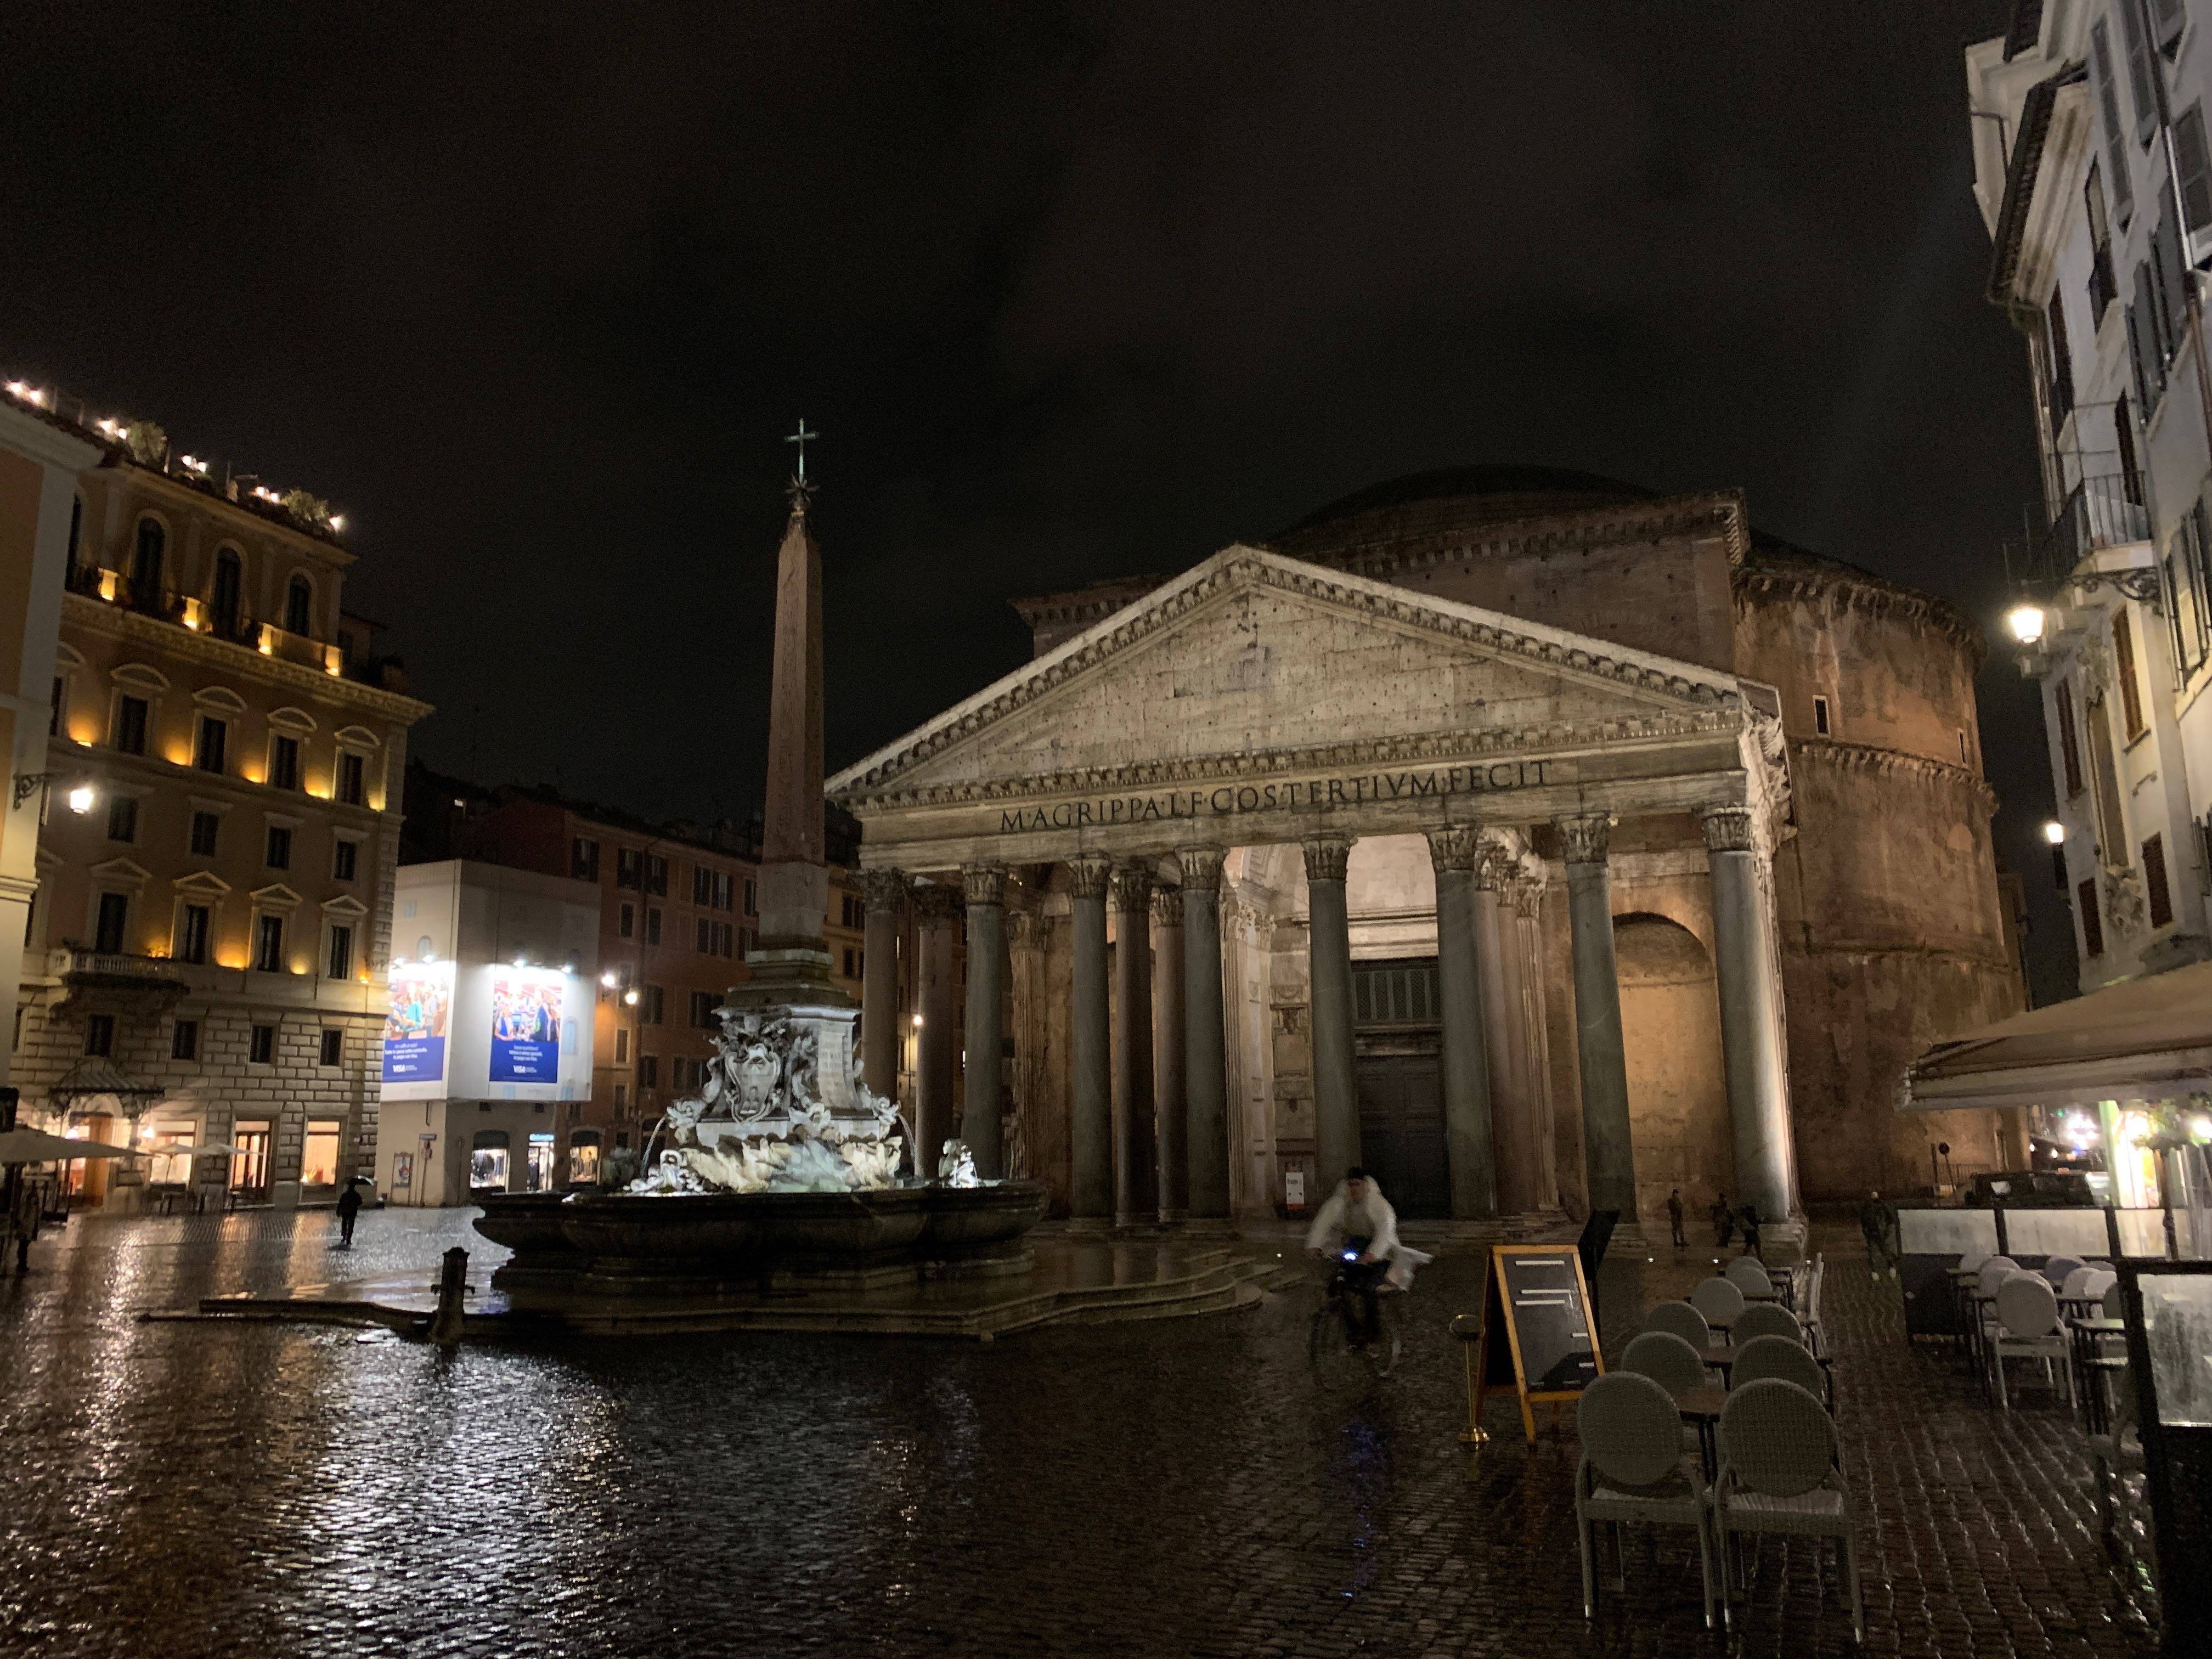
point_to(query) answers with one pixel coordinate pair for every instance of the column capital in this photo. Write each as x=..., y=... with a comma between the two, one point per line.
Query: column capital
x=1167, y=907
x=1024, y=930
x=1086, y=877
x=1201, y=868
x=1587, y=836
x=1526, y=894
x=984, y=884
x=885, y=889
x=1495, y=862
x=1130, y=888
x=937, y=901
x=1327, y=857
x=1732, y=829
x=1455, y=849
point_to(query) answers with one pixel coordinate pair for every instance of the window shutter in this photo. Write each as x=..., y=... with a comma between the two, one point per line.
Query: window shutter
x=2194, y=164
x=2155, y=887
x=2123, y=669
x=2108, y=101
x=2061, y=360
x=2070, y=742
x=2092, y=925
x=2138, y=320
x=2166, y=17
x=2173, y=283
x=2139, y=69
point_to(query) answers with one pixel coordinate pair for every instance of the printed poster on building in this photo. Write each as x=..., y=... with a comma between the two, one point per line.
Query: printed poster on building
x=416, y=1020
x=525, y=1026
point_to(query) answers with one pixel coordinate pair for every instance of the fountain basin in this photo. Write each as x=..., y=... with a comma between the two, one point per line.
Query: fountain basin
x=590, y=1246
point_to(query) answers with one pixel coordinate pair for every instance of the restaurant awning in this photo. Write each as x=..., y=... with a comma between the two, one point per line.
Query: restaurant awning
x=2145, y=1039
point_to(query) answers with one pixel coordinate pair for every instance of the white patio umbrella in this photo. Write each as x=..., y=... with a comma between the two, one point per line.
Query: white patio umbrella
x=37, y=1146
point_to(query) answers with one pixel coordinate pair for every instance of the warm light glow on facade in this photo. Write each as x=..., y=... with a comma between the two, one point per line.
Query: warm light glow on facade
x=107, y=584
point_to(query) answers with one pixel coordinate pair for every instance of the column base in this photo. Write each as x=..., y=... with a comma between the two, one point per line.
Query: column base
x=1208, y=1226
x=1173, y=1218
x=1089, y=1226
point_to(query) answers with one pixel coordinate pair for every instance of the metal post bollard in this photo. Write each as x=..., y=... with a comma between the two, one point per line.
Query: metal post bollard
x=453, y=1286
x=1467, y=1328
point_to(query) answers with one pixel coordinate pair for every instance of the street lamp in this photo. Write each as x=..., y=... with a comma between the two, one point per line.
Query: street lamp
x=2055, y=833
x=2026, y=622
x=28, y=784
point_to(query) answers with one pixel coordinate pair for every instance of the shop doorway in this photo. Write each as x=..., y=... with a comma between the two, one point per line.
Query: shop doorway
x=249, y=1166
x=487, y=1161
x=539, y=1177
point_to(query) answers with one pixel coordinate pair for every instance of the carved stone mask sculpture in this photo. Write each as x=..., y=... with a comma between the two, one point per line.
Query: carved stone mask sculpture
x=754, y=1071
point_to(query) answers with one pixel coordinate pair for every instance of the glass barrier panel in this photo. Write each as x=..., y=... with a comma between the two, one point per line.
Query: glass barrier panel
x=1947, y=1232
x=2142, y=1232
x=2078, y=1232
x=2178, y=1332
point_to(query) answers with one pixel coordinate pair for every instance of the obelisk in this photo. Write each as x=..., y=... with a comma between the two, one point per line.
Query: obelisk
x=789, y=963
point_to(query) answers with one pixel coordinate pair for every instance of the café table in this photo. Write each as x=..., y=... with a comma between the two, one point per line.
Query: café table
x=1702, y=1407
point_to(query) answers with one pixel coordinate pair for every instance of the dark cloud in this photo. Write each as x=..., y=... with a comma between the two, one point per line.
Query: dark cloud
x=533, y=291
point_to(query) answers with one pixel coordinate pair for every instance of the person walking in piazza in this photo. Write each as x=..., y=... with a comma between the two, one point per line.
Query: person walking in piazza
x=348, y=1211
x=1723, y=1221
x=1674, y=1216
x=1878, y=1223
x=1750, y=1229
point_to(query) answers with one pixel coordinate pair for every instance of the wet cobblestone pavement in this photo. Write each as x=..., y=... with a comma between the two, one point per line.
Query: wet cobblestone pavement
x=1177, y=1488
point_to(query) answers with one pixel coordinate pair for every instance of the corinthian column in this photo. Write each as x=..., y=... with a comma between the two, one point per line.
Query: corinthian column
x=1329, y=947
x=1526, y=896
x=1609, y=1153
x=1750, y=1004
x=1171, y=1129
x=938, y=1060
x=1089, y=1128
x=879, y=1002
x=1519, y=1159
x=1136, y=1191
x=1206, y=1061
x=985, y=891
x=1467, y=1149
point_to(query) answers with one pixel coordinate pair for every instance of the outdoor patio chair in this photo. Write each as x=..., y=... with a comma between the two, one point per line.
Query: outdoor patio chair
x=2059, y=1267
x=2115, y=1452
x=1765, y=1320
x=2101, y=1265
x=2115, y=1305
x=1778, y=1474
x=1719, y=1301
x=1779, y=1356
x=2077, y=1284
x=1634, y=1470
x=1683, y=1320
x=2027, y=1327
x=1749, y=1274
x=1667, y=1359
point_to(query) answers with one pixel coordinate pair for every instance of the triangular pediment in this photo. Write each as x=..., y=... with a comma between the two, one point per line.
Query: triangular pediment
x=1251, y=653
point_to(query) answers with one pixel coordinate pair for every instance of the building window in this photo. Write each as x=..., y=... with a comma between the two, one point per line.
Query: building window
x=656, y=874
x=278, y=854
x=2092, y=925
x=341, y=960
x=753, y=898
x=261, y=1047
x=333, y=1049
x=298, y=606
x=1964, y=759
x=2154, y=885
x=649, y=1007
x=283, y=762
x=649, y=1072
x=318, y=1152
x=629, y=866
x=2060, y=365
x=651, y=924
x=703, y=1004
x=850, y=971
x=206, y=826
x=193, y=934
x=2193, y=167
x=108, y=927
x=185, y=1040
x=584, y=859
x=146, y=557
x=345, y=859
x=1820, y=729
x=211, y=743
x=230, y=581
x=58, y=710
x=2123, y=669
x=711, y=888
x=626, y=921
x=622, y=1099
x=622, y=1045
x=269, y=944
x=100, y=1034
x=76, y=531
x=2069, y=743
x=123, y=818
x=129, y=733
x=2108, y=106
x=2104, y=287
x=353, y=779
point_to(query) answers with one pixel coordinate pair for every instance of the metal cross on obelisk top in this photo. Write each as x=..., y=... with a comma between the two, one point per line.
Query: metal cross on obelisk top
x=802, y=437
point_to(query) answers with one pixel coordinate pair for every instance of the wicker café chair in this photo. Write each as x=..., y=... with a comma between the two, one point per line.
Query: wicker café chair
x=1683, y=1320
x=1667, y=1359
x=1632, y=1470
x=1720, y=1301
x=1778, y=1356
x=1767, y=1319
x=1778, y=1474
x=1749, y=1274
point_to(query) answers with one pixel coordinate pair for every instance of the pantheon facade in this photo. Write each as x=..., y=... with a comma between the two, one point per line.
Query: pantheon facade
x=1537, y=841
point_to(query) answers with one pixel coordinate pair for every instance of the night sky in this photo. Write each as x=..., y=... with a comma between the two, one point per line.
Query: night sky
x=532, y=292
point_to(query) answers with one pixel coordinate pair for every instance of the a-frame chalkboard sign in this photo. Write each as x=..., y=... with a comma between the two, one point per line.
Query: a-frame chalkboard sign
x=1537, y=1336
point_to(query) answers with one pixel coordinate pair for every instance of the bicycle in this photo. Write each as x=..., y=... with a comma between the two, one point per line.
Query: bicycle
x=1333, y=1337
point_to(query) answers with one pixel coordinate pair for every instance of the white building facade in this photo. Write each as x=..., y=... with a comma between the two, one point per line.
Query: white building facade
x=2094, y=178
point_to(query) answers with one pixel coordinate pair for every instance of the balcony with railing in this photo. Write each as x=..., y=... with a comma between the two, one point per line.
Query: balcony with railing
x=231, y=625
x=2106, y=510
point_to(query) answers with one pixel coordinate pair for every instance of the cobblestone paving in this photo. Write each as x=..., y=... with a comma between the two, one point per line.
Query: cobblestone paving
x=1179, y=1488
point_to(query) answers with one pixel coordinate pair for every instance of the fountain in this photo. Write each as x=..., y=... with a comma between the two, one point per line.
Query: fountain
x=784, y=1171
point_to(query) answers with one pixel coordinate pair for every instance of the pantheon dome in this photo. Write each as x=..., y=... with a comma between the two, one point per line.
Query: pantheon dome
x=1875, y=923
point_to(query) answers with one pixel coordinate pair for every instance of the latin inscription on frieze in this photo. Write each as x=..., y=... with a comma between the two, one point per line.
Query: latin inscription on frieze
x=1227, y=800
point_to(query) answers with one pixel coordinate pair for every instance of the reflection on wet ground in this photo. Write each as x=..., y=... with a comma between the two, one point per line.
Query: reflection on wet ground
x=1168, y=1488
